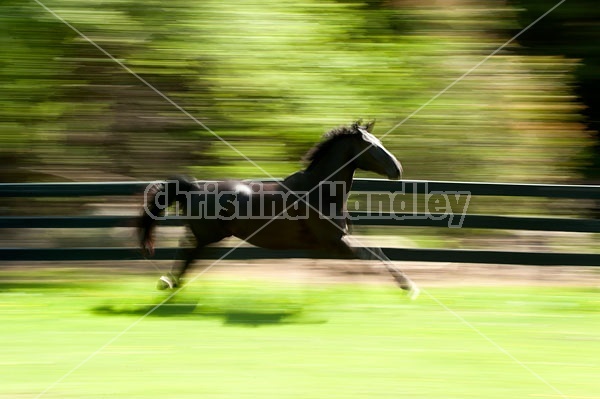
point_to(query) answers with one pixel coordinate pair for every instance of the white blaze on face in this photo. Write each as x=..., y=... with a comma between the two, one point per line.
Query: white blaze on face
x=375, y=142
x=370, y=138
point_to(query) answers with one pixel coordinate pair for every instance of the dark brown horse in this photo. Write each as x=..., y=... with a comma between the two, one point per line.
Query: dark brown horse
x=304, y=211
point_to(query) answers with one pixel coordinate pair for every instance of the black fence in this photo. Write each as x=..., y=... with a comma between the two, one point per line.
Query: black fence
x=590, y=192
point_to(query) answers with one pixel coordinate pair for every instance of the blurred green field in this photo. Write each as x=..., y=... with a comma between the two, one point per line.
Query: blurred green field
x=241, y=339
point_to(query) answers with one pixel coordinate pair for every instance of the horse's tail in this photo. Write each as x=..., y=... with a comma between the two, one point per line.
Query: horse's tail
x=158, y=197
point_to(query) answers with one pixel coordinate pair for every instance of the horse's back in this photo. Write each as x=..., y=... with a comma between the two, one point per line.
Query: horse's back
x=278, y=217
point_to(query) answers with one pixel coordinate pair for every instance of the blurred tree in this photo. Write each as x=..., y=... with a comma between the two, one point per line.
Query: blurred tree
x=75, y=107
x=143, y=134
x=29, y=102
x=572, y=30
x=270, y=77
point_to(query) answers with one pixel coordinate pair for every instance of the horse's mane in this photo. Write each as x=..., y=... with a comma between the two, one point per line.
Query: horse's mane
x=329, y=140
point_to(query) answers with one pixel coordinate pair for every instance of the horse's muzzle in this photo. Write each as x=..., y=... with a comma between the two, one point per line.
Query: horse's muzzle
x=395, y=171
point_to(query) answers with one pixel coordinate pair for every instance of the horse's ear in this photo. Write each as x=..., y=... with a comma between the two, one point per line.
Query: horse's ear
x=369, y=126
x=357, y=124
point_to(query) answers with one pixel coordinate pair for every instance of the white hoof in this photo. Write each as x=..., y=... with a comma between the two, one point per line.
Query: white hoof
x=165, y=282
x=413, y=292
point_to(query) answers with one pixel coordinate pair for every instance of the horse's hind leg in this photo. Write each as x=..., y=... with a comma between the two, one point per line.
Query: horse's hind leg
x=204, y=235
x=171, y=280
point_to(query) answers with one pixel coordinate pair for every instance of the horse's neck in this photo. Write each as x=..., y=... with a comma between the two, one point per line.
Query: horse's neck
x=331, y=171
x=310, y=180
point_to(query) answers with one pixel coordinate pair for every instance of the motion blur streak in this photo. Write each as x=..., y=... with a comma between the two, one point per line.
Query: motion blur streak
x=287, y=72
x=270, y=77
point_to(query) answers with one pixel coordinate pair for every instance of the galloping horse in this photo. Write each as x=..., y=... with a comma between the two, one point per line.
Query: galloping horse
x=307, y=210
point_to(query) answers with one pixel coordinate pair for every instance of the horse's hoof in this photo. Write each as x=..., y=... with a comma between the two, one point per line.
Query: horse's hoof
x=165, y=282
x=413, y=292
x=411, y=289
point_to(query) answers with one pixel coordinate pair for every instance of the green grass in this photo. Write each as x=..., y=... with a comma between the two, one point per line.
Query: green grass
x=257, y=339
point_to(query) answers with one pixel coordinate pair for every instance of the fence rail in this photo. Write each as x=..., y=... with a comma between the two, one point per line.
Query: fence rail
x=360, y=219
x=360, y=185
x=592, y=192
x=246, y=253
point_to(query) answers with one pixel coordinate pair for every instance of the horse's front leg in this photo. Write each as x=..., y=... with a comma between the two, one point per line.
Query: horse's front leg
x=345, y=249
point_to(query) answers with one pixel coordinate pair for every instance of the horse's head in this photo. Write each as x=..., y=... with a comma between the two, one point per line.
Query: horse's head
x=356, y=147
x=371, y=155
